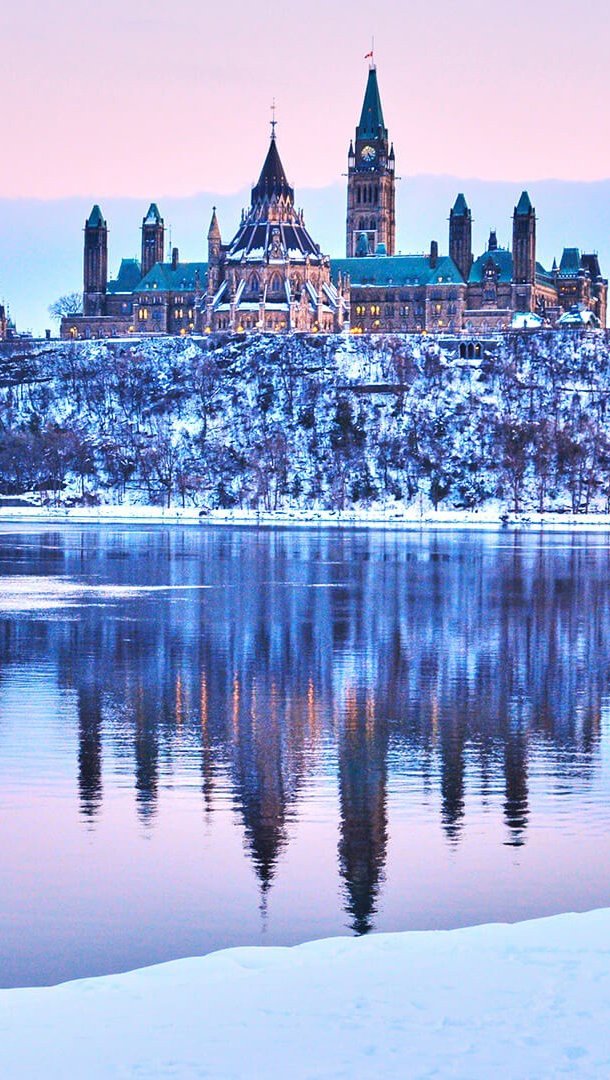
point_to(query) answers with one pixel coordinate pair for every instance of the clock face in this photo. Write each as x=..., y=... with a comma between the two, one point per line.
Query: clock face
x=368, y=153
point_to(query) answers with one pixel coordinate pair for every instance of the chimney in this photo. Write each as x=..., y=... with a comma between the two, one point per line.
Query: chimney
x=433, y=253
x=175, y=258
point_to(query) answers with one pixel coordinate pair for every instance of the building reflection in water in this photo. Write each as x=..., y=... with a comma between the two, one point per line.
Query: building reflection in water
x=453, y=662
x=363, y=747
x=89, y=705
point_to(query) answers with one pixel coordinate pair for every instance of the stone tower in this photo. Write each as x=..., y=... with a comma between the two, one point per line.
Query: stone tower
x=214, y=253
x=371, y=215
x=153, y=239
x=524, y=242
x=95, y=276
x=460, y=236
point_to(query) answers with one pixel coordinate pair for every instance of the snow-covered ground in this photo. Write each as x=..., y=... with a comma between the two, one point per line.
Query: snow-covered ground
x=419, y=514
x=506, y=1002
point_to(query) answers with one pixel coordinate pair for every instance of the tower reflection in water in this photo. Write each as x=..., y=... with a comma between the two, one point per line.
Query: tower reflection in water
x=365, y=658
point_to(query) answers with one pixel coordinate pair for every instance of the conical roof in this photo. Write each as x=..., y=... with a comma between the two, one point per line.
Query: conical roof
x=95, y=219
x=153, y=217
x=460, y=206
x=272, y=180
x=371, y=117
x=214, y=229
x=524, y=206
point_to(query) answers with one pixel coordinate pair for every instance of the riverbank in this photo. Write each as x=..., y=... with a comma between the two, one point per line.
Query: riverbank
x=408, y=518
x=517, y=1001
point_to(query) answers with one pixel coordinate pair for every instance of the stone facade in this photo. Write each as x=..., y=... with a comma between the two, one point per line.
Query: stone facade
x=454, y=293
x=272, y=276
x=371, y=215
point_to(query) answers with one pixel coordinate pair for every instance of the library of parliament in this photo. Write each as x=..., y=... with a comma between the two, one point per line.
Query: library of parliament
x=272, y=276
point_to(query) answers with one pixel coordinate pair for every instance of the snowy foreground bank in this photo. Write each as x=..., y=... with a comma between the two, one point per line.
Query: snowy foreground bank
x=522, y=1001
x=415, y=516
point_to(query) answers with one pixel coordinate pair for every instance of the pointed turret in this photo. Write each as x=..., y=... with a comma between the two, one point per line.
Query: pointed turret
x=460, y=206
x=95, y=263
x=460, y=235
x=524, y=206
x=371, y=124
x=214, y=229
x=153, y=239
x=492, y=243
x=272, y=182
x=153, y=217
x=214, y=240
x=95, y=219
x=524, y=242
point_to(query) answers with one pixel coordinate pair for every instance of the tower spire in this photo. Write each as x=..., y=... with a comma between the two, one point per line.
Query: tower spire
x=153, y=239
x=371, y=124
x=371, y=221
x=273, y=120
x=272, y=181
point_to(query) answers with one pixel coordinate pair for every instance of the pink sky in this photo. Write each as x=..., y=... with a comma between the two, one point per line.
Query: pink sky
x=152, y=99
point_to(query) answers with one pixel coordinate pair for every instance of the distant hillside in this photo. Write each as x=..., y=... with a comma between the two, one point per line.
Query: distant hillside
x=40, y=242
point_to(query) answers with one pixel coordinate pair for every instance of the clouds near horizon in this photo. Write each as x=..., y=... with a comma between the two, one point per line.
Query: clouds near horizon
x=149, y=99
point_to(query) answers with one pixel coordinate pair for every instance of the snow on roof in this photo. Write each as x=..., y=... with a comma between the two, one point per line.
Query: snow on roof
x=578, y=317
x=220, y=293
x=526, y=320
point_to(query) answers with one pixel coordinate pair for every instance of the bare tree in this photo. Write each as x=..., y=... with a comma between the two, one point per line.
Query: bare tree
x=70, y=304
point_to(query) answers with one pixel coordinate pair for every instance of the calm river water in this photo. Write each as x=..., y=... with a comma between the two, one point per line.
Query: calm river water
x=214, y=737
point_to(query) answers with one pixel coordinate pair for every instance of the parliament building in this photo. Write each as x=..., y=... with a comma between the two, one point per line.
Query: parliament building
x=273, y=277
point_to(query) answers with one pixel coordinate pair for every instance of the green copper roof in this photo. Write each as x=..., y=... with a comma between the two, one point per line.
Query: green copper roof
x=570, y=261
x=95, y=218
x=460, y=207
x=128, y=277
x=153, y=217
x=524, y=206
x=503, y=261
x=371, y=118
x=398, y=270
x=165, y=278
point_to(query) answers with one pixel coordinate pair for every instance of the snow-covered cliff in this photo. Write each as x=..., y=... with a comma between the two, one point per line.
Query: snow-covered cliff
x=301, y=422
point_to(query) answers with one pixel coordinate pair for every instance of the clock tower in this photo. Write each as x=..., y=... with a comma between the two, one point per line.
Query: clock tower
x=371, y=216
